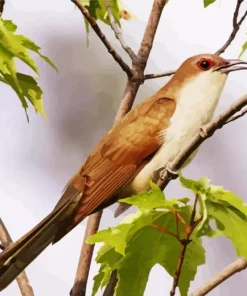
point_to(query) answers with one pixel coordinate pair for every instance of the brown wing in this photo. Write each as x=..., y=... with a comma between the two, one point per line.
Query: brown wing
x=118, y=156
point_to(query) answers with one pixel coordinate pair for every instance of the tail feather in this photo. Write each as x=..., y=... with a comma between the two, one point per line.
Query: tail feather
x=20, y=254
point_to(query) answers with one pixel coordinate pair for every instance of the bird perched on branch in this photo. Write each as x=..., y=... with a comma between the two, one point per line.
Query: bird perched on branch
x=128, y=156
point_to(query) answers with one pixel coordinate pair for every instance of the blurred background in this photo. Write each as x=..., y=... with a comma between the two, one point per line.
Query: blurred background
x=37, y=159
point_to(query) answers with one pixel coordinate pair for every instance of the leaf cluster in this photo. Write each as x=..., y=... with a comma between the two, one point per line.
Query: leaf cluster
x=12, y=47
x=134, y=247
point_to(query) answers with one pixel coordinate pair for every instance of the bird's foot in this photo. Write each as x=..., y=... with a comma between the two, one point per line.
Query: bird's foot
x=167, y=172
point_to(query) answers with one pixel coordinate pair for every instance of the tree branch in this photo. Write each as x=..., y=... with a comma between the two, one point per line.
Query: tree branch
x=22, y=280
x=81, y=278
x=103, y=38
x=152, y=76
x=236, y=266
x=2, y=2
x=139, y=64
x=236, y=27
x=110, y=288
x=117, y=31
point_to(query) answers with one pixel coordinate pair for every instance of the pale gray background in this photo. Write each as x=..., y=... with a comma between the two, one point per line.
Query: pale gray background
x=37, y=159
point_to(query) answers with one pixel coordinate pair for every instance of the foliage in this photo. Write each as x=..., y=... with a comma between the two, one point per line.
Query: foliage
x=14, y=46
x=208, y=2
x=135, y=246
x=97, y=9
x=244, y=47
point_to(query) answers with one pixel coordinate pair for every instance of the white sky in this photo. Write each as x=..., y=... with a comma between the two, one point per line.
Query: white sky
x=37, y=159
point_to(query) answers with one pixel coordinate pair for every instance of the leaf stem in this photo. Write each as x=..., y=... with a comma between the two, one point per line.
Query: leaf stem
x=189, y=229
x=163, y=229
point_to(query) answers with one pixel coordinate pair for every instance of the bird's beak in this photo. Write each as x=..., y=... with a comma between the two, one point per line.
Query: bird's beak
x=232, y=65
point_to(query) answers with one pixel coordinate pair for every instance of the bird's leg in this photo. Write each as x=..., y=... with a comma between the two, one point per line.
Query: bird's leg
x=167, y=172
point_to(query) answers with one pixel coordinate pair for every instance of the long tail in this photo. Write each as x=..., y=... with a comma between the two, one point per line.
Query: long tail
x=15, y=258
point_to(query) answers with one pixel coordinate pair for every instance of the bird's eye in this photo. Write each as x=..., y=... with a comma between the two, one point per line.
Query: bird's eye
x=205, y=64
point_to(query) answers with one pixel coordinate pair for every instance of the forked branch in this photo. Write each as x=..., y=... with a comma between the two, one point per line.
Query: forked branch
x=103, y=38
x=236, y=26
x=117, y=31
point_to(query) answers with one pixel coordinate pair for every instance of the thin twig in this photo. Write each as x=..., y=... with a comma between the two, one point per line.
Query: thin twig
x=193, y=214
x=236, y=27
x=236, y=266
x=81, y=278
x=2, y=2
x=210, y=129
x=152, y=76
x=22, y=279
x=185, y=243
x=103, y=38
x=139, y=64
x=237, y=116
x=110, y=288
x=117, y=31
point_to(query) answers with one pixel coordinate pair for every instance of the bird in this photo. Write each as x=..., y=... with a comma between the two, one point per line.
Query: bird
x=129, y=155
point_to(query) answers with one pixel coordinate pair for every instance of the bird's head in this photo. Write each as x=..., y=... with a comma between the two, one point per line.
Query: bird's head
x=206, y=72
x=208, y=65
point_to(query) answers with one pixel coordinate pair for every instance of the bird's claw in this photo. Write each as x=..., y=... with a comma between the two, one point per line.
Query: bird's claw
x=167, y=172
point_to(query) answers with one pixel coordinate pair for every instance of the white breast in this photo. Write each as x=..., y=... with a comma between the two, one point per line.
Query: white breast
x=196, y=104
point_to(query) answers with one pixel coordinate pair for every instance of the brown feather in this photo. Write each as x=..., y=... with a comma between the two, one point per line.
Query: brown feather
x=119, y=156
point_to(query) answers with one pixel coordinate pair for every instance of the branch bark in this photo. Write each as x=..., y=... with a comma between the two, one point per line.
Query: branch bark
x=2, y=2
x=117, y=31
x=236, y=27
x=152, y=76
x=22, y=280
x=81, y=278
x=103, y=38
x=236, y=266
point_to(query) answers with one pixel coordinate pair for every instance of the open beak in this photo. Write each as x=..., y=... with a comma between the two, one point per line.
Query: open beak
x=232, y=65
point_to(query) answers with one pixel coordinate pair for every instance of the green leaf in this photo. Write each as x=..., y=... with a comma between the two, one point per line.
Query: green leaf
x=151, y=200
x=231, y=225
x=197, y=186
x=17, y=46
x=29, y=44
x=97, y=9
x=32, y=92
x=208, y=2
x=98, y=280
x=244, y=47
x=144, y=247
x=117, y=237
x=9, y=25
x=150, y=247
x=228, y=198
